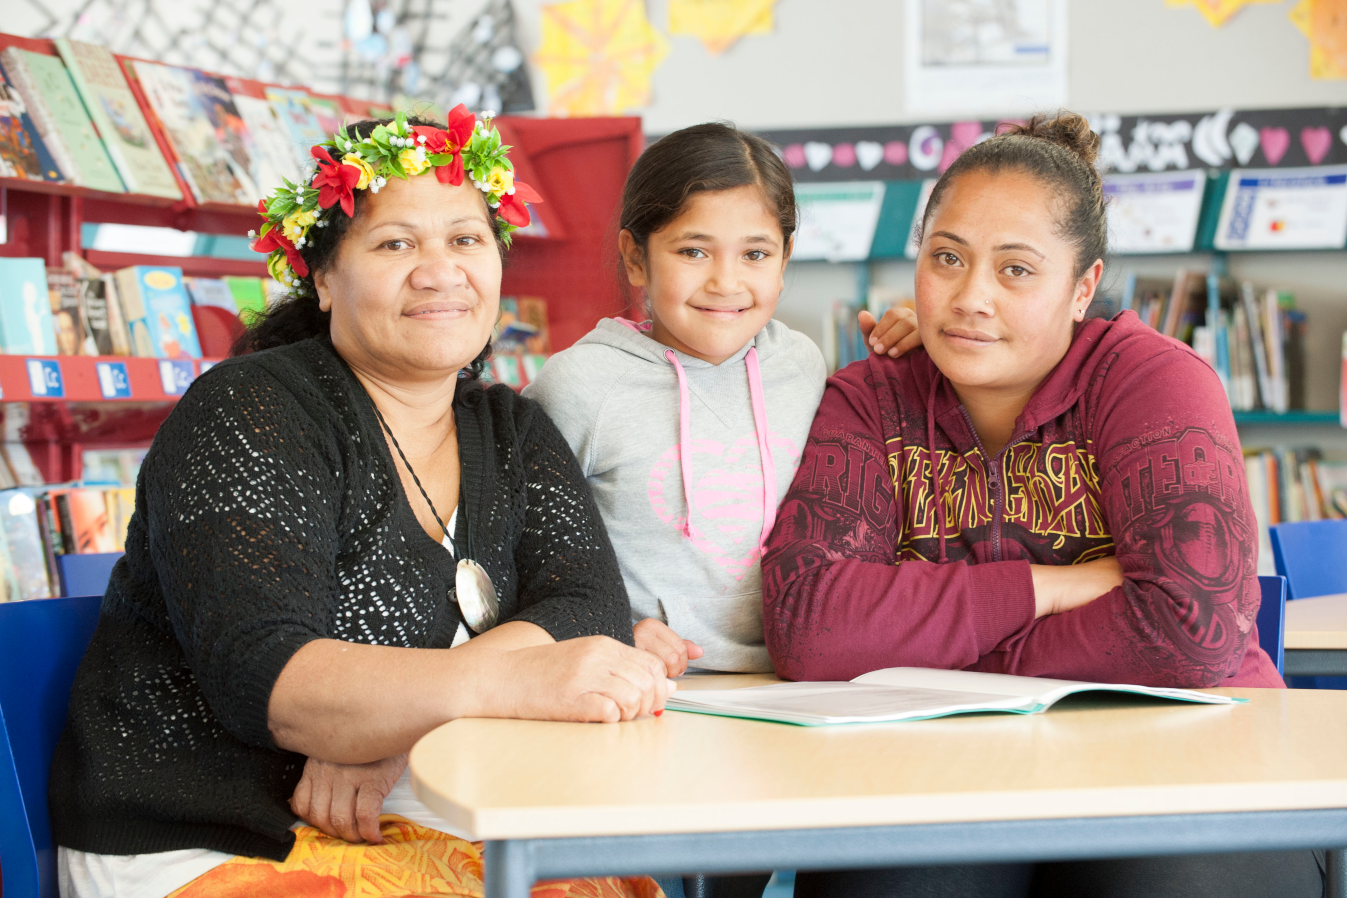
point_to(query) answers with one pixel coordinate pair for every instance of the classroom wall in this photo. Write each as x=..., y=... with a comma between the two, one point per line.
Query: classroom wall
x=838, y=63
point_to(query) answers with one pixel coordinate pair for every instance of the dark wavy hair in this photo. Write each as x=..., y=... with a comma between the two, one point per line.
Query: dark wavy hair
x=1060, y=152
x=297, y=316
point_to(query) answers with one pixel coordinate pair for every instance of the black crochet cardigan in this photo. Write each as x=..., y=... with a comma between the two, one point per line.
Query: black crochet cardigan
x=269, y=513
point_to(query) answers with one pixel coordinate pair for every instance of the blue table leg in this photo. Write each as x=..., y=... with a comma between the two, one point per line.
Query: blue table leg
x=1337, y=873
x=510, y=870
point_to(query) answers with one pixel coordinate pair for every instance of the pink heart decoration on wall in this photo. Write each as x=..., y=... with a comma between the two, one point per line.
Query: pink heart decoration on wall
x=1276, y=141
x=844, y=155
x=793, y=155
x=895, y=152
x=1317, y=142
x=965, y=134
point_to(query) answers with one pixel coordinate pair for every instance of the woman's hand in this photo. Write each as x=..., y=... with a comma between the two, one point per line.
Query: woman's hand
x=345, y=800
x=894, y=334
x=655, y=637
x=1059, y=588
x=593, y=679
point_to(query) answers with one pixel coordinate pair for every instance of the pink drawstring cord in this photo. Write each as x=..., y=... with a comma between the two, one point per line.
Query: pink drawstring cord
x=760, y=429
x=684, y=440
x=764, y=450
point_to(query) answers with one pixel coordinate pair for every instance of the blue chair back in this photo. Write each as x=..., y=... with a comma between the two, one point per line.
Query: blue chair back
x=1272, y=619
x=86, y=575
x=41, y=644
x=1310, y=556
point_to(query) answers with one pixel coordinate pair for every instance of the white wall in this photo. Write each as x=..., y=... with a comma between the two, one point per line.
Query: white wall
x=838, y=63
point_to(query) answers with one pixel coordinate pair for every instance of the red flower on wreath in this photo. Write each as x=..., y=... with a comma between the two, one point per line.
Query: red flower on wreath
x=273, y=240
x=512, y=207
x=335, y=183
x=452, y=141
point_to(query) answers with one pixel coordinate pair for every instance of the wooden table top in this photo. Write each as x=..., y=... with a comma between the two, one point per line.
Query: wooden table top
x=1089, y=756
x=1318, y=623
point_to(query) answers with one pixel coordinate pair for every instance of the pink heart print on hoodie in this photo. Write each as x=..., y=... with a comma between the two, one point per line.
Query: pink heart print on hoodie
x=688, y=462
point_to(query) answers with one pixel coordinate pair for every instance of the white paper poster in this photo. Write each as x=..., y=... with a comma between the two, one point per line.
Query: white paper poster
x=1285, y=208
x=1154, y=213
x=837, y=220
x=991, y=56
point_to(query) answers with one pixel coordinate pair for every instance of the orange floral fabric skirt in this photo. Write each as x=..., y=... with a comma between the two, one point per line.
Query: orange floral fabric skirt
x=412, y=860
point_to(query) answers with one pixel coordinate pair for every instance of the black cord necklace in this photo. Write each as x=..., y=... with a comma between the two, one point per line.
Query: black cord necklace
x=473, y=589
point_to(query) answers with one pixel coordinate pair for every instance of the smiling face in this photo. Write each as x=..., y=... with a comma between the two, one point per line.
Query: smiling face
x=415, y=285
x=713, y=274
x=996, y=284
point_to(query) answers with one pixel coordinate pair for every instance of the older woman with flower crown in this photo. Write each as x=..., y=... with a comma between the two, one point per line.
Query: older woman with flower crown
x=342, y=541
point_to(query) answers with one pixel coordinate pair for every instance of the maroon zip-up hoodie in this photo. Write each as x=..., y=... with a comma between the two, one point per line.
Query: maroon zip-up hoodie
x=1127, y=448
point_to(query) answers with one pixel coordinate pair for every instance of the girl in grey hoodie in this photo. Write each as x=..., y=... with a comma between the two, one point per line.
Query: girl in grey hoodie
x=690, y=425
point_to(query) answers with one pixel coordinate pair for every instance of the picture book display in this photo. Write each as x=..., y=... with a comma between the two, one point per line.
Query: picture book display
x=23, y=542
x=63, y=291
x=907, y=693
x=1297, y=208
x=269, y=148
x=205, y=130
x=297, y=119
x=55, y=108
x=211, y=292
x=22, y=152
x=25, y=308
x=158, y=312
x=1154, y=212
x=117, y=117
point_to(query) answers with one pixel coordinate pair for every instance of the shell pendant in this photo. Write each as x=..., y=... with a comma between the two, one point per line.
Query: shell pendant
x=476, y=596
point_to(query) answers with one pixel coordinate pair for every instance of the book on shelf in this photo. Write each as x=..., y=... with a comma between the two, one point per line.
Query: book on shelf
x=85, y=523
x=249, y=297
x=202, y=126
x=112, y=466
x=117, y=117
x=158, y=312
x=20, y=464
x=302, y=126
x=1292, y=484
x=270, y=152
x=909, y=694
x=63, y=290
x=23, y=154
x=331, y=117
x=55, y=108
x=25, y=308
x=23, y=541
x=211, y=292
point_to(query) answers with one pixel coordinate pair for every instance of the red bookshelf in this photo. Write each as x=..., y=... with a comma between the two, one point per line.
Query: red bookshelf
x=571, y=268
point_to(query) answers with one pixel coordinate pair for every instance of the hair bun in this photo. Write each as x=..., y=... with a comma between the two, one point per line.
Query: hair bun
x=1066, y=129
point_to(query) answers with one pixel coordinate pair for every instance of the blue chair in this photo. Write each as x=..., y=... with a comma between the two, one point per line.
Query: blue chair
x=86, y=575
x=41, y=644
x=1272, y=619
x=1310, y=556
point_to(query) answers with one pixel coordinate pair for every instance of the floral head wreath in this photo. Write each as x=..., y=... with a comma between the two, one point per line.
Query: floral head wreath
x=467, y=148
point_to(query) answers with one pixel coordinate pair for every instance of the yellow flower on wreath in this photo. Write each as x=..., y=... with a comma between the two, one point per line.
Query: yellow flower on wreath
x=499, y=181
x=413, y=161
x=294, y=225
x=366, y=170
x=280, y=269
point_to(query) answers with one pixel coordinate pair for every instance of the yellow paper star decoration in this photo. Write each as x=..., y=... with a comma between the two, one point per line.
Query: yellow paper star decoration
x=1218, y=12
x=598, y=56
x=1324, y=22
x=720, y=23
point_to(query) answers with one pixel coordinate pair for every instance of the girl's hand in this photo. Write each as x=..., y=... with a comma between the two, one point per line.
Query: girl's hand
x=1059, y=588
x=345, y=800
x=655, y=637
x=593, y=679
x=894, y=334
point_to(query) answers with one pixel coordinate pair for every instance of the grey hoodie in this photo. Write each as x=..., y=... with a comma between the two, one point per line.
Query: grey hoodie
x=616, y=398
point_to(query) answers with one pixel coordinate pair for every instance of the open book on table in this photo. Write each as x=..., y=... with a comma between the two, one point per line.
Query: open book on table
x=907, y=693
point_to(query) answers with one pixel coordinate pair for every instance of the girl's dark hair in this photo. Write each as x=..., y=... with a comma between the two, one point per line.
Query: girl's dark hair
x=713, y=156
x=1059, y=152
x=297, y=316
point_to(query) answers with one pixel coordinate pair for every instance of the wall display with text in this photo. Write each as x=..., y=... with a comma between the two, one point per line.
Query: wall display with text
x=837, y=221
x=1154, y=213
x=1285, y=209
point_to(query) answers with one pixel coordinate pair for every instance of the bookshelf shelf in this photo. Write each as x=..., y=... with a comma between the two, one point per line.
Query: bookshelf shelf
x=192, y=266
x=112, y=379
x=1287, y=418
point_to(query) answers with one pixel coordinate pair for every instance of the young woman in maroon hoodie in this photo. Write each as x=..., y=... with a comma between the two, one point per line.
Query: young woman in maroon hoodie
x=1032, y=494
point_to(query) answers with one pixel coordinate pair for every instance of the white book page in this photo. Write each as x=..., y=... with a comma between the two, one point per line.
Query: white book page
x=844, y=702
x=1040, y=689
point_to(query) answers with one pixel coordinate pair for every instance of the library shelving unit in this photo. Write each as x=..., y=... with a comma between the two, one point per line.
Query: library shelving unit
x=58, y=406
